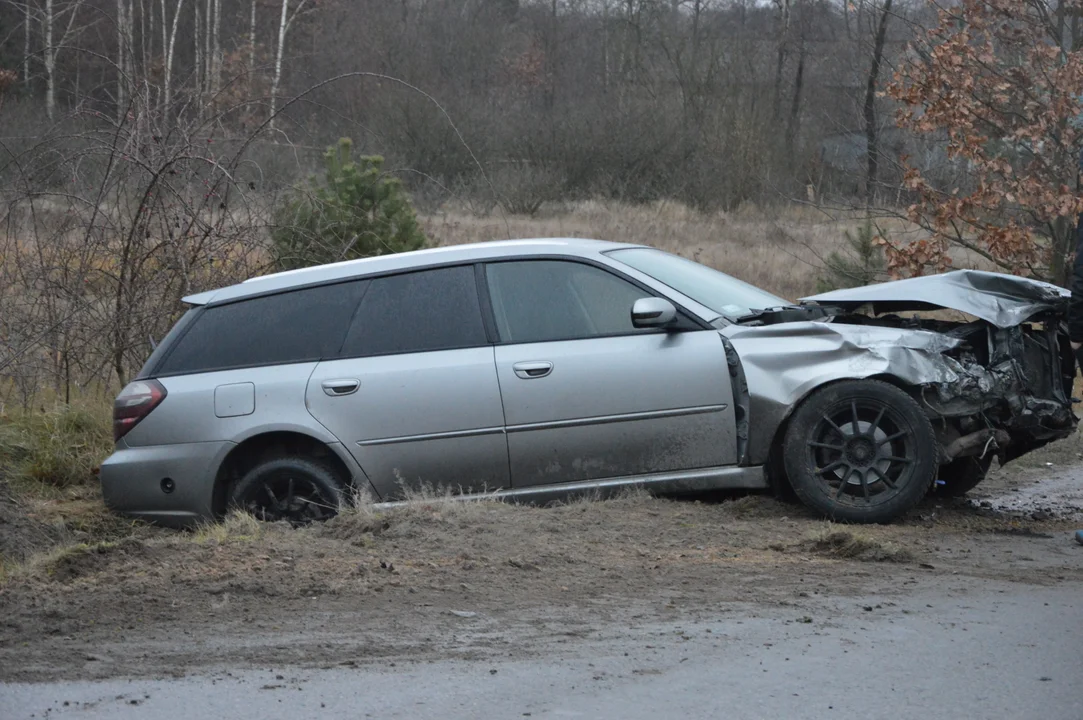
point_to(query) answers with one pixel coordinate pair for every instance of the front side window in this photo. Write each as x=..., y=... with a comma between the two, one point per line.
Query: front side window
x=297, y=326
x=722, y=293
x=546, y=300
x=419, y=311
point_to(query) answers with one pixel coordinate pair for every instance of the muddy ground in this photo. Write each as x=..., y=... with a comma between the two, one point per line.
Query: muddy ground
x=94, y=597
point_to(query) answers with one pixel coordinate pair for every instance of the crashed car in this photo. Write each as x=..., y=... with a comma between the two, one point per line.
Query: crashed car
x=536, y=369
x=997, y=384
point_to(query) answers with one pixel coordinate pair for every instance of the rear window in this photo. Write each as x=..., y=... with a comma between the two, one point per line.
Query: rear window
x=416, y=312
x=297, y=326
x=162, y=348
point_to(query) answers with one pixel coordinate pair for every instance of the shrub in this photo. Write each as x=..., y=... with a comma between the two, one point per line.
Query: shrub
x=863, y=262
x=357, y=211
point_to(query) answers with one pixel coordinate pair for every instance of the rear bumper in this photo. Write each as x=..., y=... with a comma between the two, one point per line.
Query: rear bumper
x=132, y=481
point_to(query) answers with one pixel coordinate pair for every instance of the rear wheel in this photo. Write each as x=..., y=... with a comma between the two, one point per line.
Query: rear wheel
x=297, y=490
x=962, y=475
x=860, y=451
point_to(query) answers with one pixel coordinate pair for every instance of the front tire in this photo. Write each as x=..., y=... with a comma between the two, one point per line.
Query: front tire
x=297, y=490
x=860, y=451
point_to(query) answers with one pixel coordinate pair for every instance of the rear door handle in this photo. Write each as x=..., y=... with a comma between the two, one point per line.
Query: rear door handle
x=531, y=370
x=345, y=386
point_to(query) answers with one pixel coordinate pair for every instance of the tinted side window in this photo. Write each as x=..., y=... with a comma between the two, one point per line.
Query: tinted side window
x=167, y=342
x=543, y=300
x=289, y=327
x=418, y=311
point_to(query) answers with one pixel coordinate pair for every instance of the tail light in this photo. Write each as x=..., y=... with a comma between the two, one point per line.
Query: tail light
x=134, y=403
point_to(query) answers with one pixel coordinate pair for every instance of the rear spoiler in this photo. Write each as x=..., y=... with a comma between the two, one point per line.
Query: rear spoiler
x=199, y=299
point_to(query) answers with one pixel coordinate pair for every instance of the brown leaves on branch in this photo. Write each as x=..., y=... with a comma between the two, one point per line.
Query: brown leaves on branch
x=1001, y=81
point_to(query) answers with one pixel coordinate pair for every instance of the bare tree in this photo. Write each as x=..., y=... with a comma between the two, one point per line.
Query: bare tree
x=869, y=106
x=125, y=34
x=216, y=49
x=27, y=24
x=169, y=46
x=251, y=41
x=284, y=22
x=53, y=43
x=102, y=268
x=782, y=51
x=197, y=72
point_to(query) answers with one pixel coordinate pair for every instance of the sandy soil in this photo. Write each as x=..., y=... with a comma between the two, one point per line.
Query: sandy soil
x=443, y=580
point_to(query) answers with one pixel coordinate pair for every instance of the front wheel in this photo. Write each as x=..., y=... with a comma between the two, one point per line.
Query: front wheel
x=860, y=451
x=297, y=490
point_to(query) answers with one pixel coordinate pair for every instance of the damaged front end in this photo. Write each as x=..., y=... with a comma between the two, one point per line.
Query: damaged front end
x=997, y=383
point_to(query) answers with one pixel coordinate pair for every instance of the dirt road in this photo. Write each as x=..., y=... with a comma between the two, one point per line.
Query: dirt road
x=986, y=650
x=378, y=610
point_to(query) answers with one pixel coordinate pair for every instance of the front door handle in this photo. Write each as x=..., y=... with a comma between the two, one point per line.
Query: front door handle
x=531, y=370
x=336, y=388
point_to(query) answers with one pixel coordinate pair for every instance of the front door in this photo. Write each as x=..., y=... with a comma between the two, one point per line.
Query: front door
x=415, y=396
x=588, y=396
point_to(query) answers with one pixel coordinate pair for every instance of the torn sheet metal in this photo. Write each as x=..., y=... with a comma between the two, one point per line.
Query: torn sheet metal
x=1003, y=300
x=784, y=362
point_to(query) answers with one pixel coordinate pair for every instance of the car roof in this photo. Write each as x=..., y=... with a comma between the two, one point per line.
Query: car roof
x=417, y=259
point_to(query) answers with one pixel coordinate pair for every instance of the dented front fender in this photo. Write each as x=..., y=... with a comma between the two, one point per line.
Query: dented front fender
x=784, y=362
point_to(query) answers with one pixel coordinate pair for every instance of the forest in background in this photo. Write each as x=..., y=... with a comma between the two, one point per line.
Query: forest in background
x=711, y=102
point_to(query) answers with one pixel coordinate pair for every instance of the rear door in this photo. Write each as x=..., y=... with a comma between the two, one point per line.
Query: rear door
x=588, y=396
x=414, y=394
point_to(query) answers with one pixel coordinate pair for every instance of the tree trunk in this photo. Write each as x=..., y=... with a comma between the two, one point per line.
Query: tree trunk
x=216, y=62
x=144, y=37
x=166, y=79
x=49, y=57
x=199, y=60
x=605, y=45
x=1063, y=236
x=251, y=48
x=279, y=49
x=26, y=44
x=208, y=51
x=169, y=44
x=872, y=146
x=122, y=51
x=794, y=126
x=780, y=64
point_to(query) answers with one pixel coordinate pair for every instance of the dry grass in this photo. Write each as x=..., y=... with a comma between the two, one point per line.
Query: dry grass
x=362, y=520
x=237, y=526
x=834, y=541
x=44, y=450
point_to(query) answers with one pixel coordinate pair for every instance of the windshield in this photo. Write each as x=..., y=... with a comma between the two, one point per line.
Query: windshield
x=724, y=294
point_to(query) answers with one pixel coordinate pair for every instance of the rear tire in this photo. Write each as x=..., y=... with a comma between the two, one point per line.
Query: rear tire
x=962, y=475
x=860, y=451
x=297, y=490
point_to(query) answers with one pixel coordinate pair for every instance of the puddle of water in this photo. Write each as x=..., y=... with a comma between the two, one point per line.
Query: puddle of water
x=1059, y=494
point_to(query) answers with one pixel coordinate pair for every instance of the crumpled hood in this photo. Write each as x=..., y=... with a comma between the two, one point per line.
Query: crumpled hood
x=1003, y=300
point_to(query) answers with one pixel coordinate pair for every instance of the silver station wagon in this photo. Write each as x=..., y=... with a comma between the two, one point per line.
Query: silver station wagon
x=539, y=368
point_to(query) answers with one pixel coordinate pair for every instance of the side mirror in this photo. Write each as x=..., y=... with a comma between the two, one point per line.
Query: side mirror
x=653, y=312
